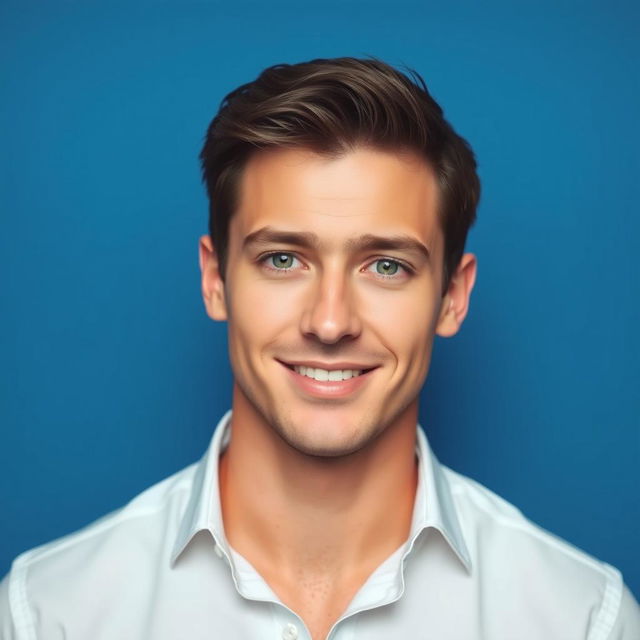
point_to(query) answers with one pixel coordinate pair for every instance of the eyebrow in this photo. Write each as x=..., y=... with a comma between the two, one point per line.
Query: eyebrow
x=400, y=242
x=367, y=242
x=269, y=235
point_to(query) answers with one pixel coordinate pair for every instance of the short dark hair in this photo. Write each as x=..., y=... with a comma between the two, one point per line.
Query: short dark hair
x=332, y=106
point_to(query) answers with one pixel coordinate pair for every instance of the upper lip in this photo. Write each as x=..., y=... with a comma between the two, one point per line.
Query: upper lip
x=329, y=366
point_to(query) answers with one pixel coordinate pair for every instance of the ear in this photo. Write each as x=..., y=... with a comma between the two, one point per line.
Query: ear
x=455, y=303
x=212, y=283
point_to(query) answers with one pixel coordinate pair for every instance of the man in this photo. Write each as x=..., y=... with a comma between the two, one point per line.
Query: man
x=340, y=204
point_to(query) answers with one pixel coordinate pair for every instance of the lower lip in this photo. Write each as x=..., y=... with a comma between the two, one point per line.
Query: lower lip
x=328, y=388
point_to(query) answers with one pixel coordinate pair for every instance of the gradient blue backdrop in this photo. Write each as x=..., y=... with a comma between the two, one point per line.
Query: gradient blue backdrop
x=112, y=377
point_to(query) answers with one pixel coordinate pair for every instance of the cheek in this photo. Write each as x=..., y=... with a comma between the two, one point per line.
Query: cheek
x=260, y=311
x=405, y=323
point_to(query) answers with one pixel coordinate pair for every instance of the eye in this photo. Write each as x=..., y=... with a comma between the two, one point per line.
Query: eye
x=387, y=268
x=279, y=261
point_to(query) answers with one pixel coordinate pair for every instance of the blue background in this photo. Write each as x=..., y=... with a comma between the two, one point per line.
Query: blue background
x=112, y=377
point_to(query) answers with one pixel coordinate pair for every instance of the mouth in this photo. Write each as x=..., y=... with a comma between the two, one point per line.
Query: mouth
x=331, y=380
x=331, y=375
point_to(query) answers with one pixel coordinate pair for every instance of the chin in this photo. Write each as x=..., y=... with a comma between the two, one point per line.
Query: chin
x=324, y=449
x=321, y=441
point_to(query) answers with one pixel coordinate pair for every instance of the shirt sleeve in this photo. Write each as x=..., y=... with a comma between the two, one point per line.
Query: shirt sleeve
x=7, y=626
x=627, y=624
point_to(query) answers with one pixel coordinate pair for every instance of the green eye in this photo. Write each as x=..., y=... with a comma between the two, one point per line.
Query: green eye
x=282, y=260
x=387, y=267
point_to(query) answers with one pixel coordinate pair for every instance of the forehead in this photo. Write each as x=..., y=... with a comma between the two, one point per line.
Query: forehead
x=361, y=191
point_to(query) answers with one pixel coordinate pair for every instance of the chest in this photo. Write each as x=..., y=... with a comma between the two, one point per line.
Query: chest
x=318, y=601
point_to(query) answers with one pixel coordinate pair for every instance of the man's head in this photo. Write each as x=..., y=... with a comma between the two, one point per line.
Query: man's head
x=333, y=106
x=333, y=185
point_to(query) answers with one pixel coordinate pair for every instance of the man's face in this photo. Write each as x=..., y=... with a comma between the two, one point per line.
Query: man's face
x=332, y=293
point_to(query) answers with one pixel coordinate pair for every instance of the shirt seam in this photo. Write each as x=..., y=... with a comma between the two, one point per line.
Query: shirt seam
x=534, y=531
x=19, y=601
x=609, y=607
x=51, y=548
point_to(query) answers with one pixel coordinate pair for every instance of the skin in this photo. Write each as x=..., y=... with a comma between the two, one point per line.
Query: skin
x=317, y=486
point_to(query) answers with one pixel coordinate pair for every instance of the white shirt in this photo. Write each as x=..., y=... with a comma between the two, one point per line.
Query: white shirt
x=160, y=568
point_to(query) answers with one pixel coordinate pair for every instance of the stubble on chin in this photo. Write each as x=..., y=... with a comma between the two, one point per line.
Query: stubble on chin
x=321, y=437
x=325, y=433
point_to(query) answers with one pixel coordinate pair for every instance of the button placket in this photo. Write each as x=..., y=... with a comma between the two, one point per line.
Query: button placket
x=290, y=632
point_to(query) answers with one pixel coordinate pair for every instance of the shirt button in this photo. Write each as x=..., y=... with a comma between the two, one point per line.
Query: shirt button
x=290, y=632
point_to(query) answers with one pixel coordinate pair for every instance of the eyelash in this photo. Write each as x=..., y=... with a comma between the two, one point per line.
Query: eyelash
x=405, y=267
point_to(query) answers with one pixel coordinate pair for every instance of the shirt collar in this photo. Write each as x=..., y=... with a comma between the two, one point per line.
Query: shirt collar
x=434, y=506
x=203, y=512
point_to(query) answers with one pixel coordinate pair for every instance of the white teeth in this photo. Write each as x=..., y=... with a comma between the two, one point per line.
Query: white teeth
x=337, y=375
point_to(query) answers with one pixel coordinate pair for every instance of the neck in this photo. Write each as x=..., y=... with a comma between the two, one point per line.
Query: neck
x=289, y=513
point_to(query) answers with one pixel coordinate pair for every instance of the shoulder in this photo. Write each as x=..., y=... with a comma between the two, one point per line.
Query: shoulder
x=61, y=572
x=523, y=561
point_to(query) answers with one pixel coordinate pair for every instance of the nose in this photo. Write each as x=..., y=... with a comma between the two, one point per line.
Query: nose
x=331, y=313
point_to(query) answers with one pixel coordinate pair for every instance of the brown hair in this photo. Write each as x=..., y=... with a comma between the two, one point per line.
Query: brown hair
x=332, y=106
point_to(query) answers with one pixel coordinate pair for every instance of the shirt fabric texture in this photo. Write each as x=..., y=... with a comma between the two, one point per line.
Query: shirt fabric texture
x=160, y=568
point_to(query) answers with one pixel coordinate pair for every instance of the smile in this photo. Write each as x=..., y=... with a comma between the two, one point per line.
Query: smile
x=340, y=381
x=332, y=375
